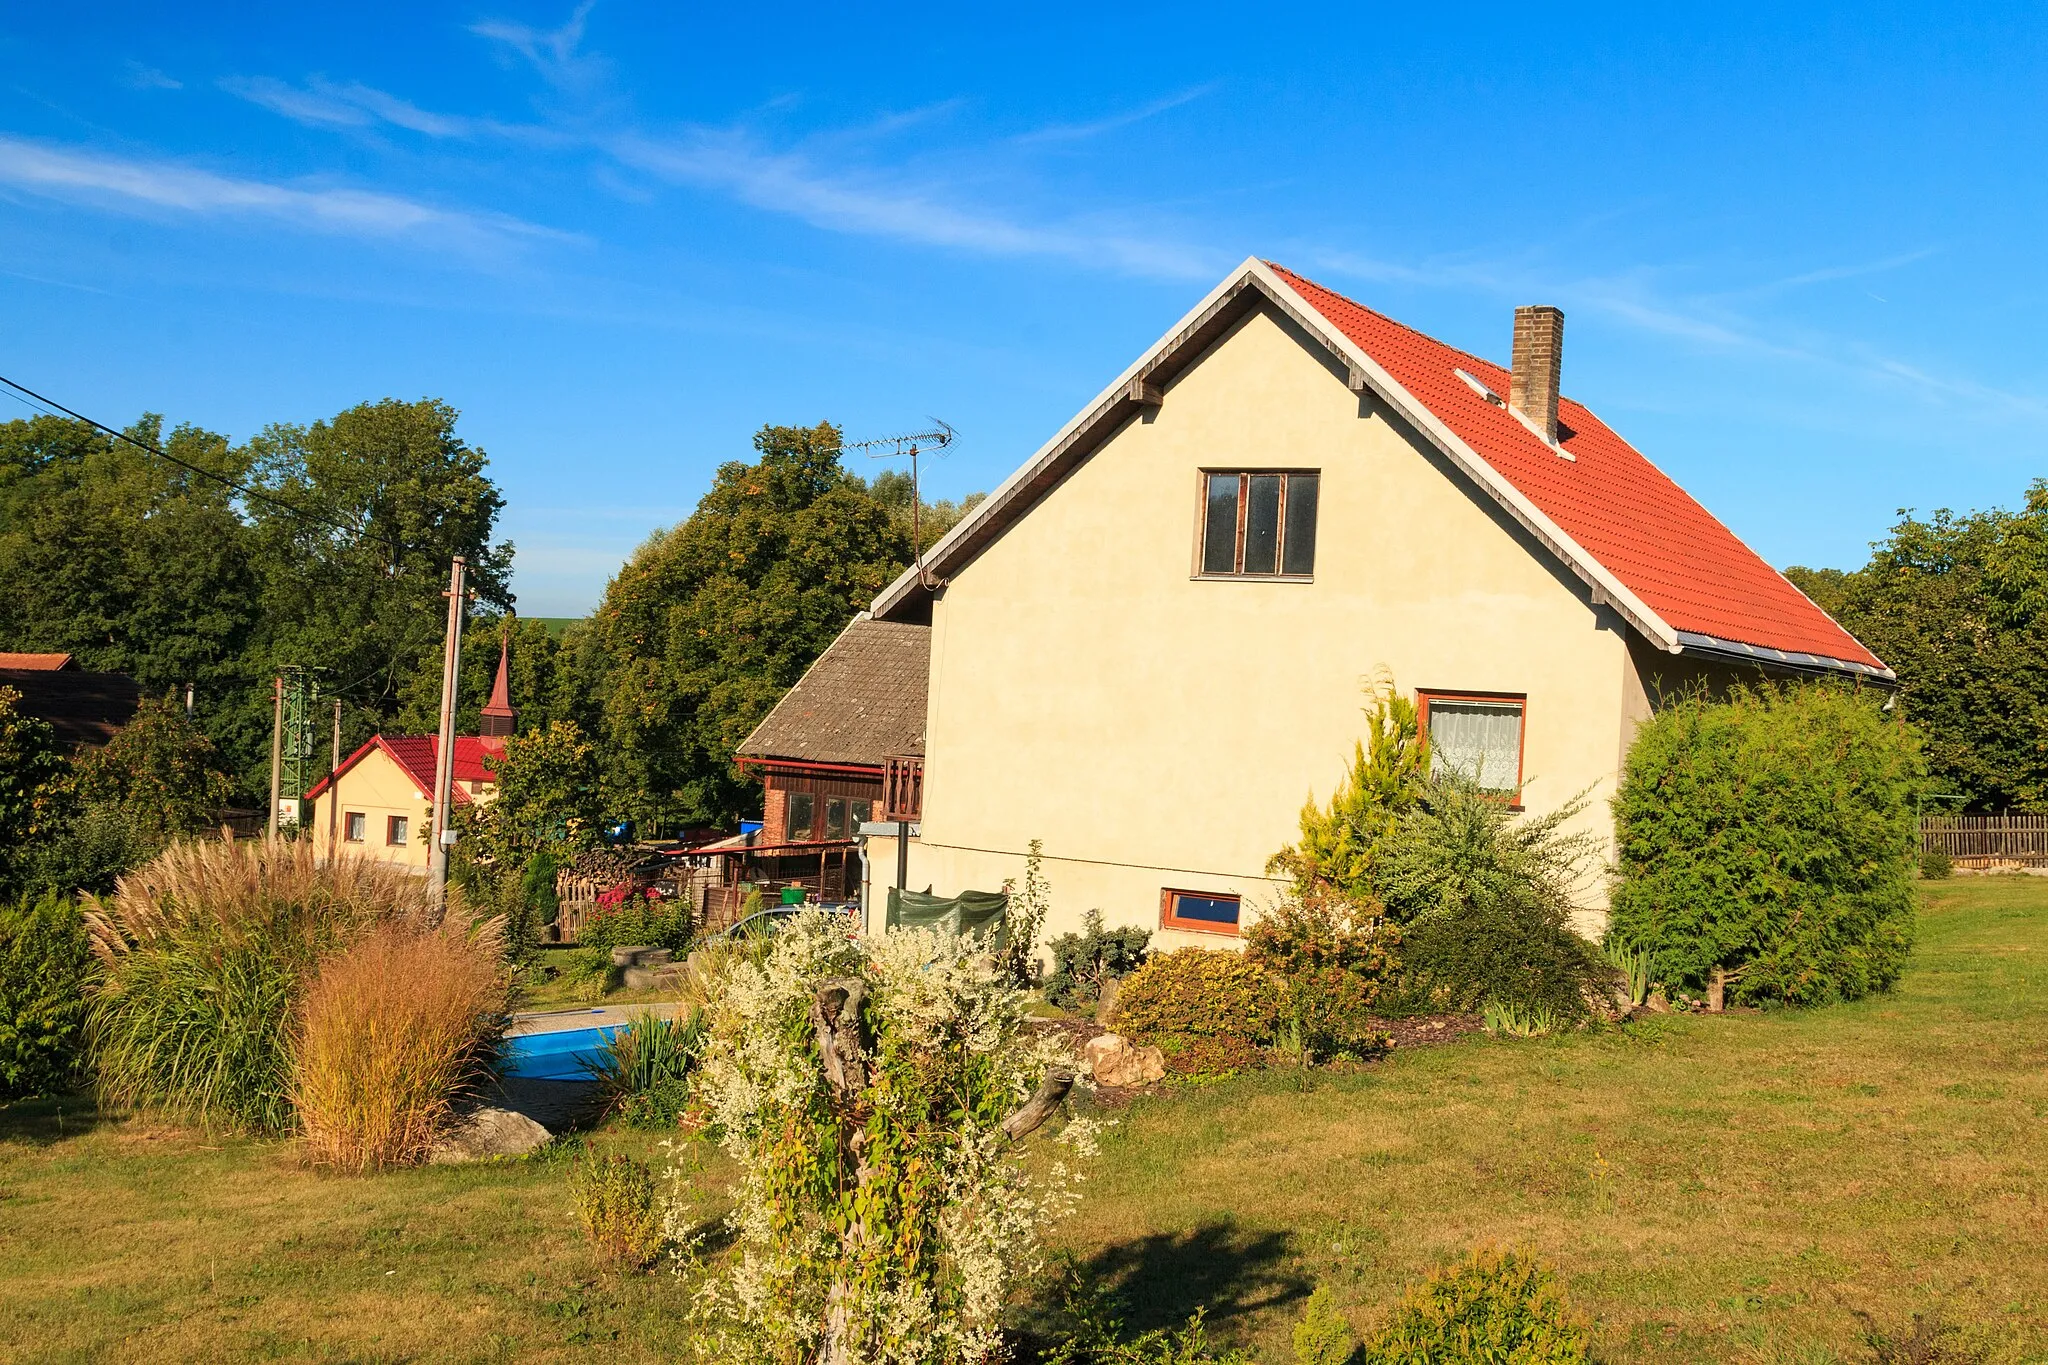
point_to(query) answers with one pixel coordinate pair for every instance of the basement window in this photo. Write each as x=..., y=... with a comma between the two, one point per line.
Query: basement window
x=1200, y=911
x=1258, y=523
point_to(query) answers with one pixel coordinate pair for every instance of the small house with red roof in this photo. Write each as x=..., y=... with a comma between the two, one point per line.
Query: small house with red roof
x=1153, y=640
x=380, y=801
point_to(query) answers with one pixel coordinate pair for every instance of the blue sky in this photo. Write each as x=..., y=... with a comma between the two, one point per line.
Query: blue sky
x=1799, y=250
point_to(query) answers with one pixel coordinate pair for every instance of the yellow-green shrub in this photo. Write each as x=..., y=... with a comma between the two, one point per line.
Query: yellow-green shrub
x=1490, y=1308
x=616, y=1204
x=1200, y=993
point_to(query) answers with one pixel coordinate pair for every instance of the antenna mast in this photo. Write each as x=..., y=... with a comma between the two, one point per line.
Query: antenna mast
x=895, y=448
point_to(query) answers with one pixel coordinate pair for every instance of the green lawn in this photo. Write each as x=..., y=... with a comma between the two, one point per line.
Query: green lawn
x=1713, y=1189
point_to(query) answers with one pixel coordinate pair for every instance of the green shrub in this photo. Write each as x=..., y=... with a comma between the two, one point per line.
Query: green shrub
x=204, y=953
x=615, y=1202
x=1514, y=951
x=43, y=965
x=1771, y=835
x=1332, y=956
x=1936, y=865
x=1200, y=993
x=1491, y=1308
x=1460, y=847
x=639, y=920
x=1196, y=1057
x=533, y=905
x=644, y=1072
x=1323, y=1337
x=1084, y=963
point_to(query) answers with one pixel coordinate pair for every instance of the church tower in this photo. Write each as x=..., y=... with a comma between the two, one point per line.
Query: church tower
x=499, y=717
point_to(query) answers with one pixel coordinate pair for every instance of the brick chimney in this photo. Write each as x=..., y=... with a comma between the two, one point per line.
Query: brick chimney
x=1538, y=356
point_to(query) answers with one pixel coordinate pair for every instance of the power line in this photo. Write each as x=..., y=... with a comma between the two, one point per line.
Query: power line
x=245, y=490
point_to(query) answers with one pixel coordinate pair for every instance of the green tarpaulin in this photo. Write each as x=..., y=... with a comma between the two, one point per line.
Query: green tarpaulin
x=970, y=912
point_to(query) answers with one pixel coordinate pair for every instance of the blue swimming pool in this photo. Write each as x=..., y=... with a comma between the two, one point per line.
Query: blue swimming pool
x=560, y=1055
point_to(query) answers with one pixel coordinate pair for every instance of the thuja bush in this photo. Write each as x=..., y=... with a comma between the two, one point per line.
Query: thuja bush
x=43, y=964
x=203, y=955
x=1771, y=835
x=1492, y=1306
x=872, y=1093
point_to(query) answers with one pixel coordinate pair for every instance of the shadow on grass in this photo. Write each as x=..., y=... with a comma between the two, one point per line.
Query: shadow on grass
x=50, y=1119
x=1221, y=1268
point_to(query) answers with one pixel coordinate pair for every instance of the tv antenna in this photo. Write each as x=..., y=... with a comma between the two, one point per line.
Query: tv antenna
x=911, y=444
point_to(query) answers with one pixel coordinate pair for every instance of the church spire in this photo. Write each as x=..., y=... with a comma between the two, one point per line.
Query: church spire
x=499, y=717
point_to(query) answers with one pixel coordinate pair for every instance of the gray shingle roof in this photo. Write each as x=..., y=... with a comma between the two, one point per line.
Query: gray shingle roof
x=863, y=701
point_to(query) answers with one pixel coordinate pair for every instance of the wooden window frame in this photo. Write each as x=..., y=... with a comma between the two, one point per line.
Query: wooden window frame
x=790, y=833
x=1244, y=499
x=1425, y=695
x=346, y=817
x=1169, y=895
x=390, y=828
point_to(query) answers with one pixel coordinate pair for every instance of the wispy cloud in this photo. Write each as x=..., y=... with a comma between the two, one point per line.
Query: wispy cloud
x=1079, y=132
x=324, y=103
x=143, y=77
x=877, y=205
x=552, y=52
x=129, y=185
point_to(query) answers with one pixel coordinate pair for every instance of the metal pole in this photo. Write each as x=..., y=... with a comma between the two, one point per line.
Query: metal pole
x=276, y=751
x=333, y=782
x=444, y=755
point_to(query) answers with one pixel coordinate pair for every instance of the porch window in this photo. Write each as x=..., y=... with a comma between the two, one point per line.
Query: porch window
x=396, y=827
x=353, y=826
x=835, y=817
x=862, y=812
x=1200, y=911
x=1257, y=524
x=1478, y=735
x=802, y=816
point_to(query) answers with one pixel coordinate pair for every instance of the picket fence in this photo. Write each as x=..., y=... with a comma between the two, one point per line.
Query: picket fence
x=1987, y=840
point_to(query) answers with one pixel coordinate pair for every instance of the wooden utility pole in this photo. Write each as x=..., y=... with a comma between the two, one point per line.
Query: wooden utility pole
x=444, y=754
x=276, y=752
x=333, y=779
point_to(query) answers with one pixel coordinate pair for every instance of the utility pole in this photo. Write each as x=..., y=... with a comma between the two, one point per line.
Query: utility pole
x=333, y=791
x=444, y=753
x=276, y=751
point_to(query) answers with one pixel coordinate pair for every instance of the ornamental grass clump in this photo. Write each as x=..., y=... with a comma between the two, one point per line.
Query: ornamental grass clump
x=643, y=1073
x=873, y=1094
x=392, y=1030
x=203, y=954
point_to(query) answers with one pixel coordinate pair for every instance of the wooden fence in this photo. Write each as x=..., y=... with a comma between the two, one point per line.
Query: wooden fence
x=1987, y=840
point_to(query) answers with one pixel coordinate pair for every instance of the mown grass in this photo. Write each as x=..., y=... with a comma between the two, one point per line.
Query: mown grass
x=1712, y=1189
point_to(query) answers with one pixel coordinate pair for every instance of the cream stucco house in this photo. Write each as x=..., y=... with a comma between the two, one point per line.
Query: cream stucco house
x=1151, y=643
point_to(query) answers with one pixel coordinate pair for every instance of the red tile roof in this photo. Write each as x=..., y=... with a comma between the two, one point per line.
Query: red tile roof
x=1622, y=510
x=416, y=755
x=41, y=663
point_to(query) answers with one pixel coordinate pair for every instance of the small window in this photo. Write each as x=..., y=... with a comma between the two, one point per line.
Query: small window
x=353, y=826
x=1259, y=525
x=1198, y=910
x=396, y=827
x=1479, y=736
x=802, y=814
x=863, y=812
x=835, y=817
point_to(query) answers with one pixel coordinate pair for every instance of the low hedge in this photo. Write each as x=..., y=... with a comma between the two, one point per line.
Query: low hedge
x=1200, y=993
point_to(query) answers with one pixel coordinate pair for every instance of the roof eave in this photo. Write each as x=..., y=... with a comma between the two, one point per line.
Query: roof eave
x=1692, y=642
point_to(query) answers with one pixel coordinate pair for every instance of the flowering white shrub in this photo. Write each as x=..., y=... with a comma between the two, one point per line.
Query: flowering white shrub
x=864, y=1088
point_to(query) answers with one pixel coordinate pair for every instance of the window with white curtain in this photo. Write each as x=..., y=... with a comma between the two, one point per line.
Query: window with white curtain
x=1479, y=737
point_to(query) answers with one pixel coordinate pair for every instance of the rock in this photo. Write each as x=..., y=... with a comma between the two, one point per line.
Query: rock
x=1105, y=1005
x=488, y=1132
x=1116, y=1061
x=658, y=978
x=640, y=955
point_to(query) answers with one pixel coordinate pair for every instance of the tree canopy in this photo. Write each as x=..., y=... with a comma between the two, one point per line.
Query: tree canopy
x=1958, y=606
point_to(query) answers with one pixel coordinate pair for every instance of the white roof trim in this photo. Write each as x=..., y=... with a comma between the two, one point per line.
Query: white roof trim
x=1606, y=588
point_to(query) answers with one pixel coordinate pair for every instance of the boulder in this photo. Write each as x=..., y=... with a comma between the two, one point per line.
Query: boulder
x=1117, y=1061
x=667, y=976
x=488, y=1132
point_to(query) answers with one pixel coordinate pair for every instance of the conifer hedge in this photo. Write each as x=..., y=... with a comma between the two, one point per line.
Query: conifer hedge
x=1771, y=834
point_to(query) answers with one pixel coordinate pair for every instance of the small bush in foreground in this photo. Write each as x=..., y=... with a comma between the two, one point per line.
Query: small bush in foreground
x=1323, y=1337
x=390, y=1032
x=644, y=1071
x=1200, y=993
x=1491, y=1308
x=203, y=952
x=615, y=1201
x=1936, y=865
x=1084, y=963
x=43, y=963
x=1773, y=836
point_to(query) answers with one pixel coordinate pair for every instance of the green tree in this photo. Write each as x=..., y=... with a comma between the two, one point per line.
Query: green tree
x=1958, y=606
x=1389, y=768
x=159, y=770
x=547, y=799
x=33, y=794
x=710, y=622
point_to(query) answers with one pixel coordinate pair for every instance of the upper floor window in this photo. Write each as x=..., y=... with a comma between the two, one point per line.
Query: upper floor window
x=1476, y=734
x=1259, y=524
